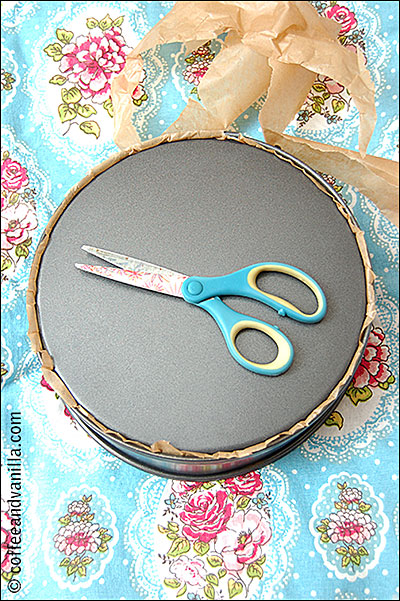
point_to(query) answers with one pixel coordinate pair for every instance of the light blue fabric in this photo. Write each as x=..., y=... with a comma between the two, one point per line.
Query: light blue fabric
x=295, y=509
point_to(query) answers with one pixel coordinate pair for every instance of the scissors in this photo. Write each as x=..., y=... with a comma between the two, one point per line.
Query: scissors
x=205, y=292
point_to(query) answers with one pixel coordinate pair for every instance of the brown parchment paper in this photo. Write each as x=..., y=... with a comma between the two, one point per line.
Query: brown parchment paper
x=162, y=446
x=277, y=48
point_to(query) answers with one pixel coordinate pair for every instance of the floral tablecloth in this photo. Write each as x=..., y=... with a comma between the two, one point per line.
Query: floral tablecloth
x=77, y=523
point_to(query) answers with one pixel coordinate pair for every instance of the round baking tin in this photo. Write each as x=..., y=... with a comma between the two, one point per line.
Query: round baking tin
x=66, y=309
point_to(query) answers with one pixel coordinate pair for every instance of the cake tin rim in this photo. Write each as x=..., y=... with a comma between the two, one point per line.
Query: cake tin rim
x=48, y=365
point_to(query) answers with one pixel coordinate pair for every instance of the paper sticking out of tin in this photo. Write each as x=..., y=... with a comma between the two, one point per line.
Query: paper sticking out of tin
x=163, y=447
x=272, y=48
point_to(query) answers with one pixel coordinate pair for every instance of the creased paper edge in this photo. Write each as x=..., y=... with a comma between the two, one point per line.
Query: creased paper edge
x=379, y=185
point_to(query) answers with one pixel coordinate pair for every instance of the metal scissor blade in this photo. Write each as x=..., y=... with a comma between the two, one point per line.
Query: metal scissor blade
x=129, y=263
x=154, y=281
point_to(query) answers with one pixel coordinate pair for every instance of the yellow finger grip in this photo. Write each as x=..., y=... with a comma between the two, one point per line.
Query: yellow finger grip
x=285, y=350
x=295, y=273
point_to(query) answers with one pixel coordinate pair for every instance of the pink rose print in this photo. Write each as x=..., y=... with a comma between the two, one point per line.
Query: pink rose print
x=329, y=100
x=77, y=537
x=189, y=571
x=78, y=508
x=89, y=62
x=215, y=530
x=13, y=176
x=205, y=515
x=350, y=495
x=17, y=222
x=241, y=543
x=349, y=529
x=194, y=73
x=244, y=485
x=93, y=60
x=18, y=216
x=46, y=384
x=350, y=526
x=181, y=487
x=333, y=87
x=68, y=414
x=139, y=94
x=198, y=63
x=343, y=16
x=372, y=370
x=202, y=51
x=6, y=526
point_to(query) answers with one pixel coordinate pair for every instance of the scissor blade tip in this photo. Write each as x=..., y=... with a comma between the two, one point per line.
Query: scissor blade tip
x=80, y=266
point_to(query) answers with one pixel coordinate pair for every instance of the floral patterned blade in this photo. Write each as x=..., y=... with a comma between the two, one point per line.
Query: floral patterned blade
x=156, y=280
x=129, y=262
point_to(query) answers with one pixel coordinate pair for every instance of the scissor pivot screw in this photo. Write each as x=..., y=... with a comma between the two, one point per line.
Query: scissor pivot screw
x=195, y=288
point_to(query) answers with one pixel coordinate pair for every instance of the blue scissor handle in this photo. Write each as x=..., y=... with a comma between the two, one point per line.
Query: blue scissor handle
x=231, y=323
x=244, y=283
x=205, y=292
